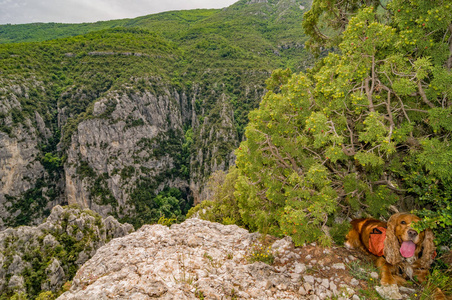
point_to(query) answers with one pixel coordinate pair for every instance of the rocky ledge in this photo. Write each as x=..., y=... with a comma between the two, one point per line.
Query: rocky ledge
x=203, y=260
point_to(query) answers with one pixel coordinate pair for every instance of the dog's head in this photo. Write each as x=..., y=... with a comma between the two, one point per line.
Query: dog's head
x=403, y=242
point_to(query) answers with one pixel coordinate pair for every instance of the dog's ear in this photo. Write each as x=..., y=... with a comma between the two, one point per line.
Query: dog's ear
x=392, y=246
x=428, y=249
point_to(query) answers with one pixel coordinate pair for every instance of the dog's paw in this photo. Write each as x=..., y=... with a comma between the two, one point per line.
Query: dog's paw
x=348, y=245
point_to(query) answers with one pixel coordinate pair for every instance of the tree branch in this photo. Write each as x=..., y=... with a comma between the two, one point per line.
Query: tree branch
x=449, y=61
x=423, y=95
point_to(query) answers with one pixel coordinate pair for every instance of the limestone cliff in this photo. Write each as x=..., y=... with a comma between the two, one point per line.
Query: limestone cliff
x=110, y=152
x=43, y=258
x=21, y=167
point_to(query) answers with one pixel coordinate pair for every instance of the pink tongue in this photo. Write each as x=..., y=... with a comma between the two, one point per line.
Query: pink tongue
x=407, y=249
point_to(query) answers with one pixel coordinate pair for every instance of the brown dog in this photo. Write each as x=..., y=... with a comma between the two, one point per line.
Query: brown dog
x=400, y=251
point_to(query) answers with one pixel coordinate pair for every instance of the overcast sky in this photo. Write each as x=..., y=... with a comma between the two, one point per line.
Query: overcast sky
x=78, y=11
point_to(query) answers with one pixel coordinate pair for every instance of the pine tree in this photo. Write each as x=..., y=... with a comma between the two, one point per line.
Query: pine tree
x=368, y=127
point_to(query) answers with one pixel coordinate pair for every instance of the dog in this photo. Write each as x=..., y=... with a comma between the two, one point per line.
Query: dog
x=400, y=251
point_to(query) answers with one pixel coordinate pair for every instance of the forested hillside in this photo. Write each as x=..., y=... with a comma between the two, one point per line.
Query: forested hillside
x=131, y=119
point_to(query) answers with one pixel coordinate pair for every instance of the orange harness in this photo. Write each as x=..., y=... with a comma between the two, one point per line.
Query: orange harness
x=377, y=241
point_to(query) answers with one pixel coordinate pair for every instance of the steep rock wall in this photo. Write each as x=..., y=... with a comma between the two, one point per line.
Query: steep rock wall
x=110, y=152
x=21, y=167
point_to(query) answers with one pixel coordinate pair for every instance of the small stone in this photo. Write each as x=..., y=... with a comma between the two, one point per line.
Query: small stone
x=299, y=268
x=308, y=257
x=333, y=288
x=156, y=289
x=268, y=284
x=389, y=292
x=302, y=291
x=339, y=266
x=354, y=282
x=281, y=269
x=374, y=275
x=308, y=287
x=406, y=290
x=325, y=283
x=309, y=279
x=355, y=297
x=295, y=277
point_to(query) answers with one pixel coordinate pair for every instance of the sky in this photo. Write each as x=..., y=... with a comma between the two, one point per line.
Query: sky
x=79, y=11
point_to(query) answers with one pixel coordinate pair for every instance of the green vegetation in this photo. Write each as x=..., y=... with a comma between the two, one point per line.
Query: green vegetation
x=151, y=207
x=222, y=205
x=32, y=204
x=366, y=128
x=438, y=278
x=216, y=59
x=260, y=252
x=60, y=246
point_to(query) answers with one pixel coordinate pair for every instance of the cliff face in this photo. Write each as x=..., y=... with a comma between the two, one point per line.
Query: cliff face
x=109, y=153
x=127, y=144
x=43, y=258
x=21, y=169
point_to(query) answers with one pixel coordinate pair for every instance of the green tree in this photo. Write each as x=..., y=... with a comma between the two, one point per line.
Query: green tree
x=51, y=162
x=345, y=136
x=222, y=205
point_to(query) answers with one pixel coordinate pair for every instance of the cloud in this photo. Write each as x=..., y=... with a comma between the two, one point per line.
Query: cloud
x=78, y=11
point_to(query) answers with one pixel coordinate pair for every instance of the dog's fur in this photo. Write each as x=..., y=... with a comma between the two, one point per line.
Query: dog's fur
x=394, y=268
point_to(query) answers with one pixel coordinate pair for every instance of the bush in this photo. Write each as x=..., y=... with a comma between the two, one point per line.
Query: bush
x=222, y=206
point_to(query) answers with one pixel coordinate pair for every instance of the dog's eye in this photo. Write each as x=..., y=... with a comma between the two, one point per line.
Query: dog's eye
x=403, y=222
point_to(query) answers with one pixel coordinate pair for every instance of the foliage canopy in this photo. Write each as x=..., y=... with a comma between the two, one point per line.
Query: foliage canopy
x=367, y=128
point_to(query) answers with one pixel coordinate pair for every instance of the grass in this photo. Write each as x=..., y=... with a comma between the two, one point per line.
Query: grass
x=362, y=270
x=438, y=279
x=184, y=276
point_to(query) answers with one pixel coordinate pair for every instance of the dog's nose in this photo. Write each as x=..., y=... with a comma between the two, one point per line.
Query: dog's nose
x=412, y=233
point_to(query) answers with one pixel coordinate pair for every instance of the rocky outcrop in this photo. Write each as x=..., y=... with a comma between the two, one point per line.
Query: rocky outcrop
x=48, y=255
x=115, y=149
x=20, y=165
x=203, y=260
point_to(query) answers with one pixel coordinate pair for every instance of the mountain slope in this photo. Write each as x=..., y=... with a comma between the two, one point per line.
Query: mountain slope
x=131, y=121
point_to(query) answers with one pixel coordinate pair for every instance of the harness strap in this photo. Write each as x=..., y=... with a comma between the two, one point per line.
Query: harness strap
x=377, y=241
